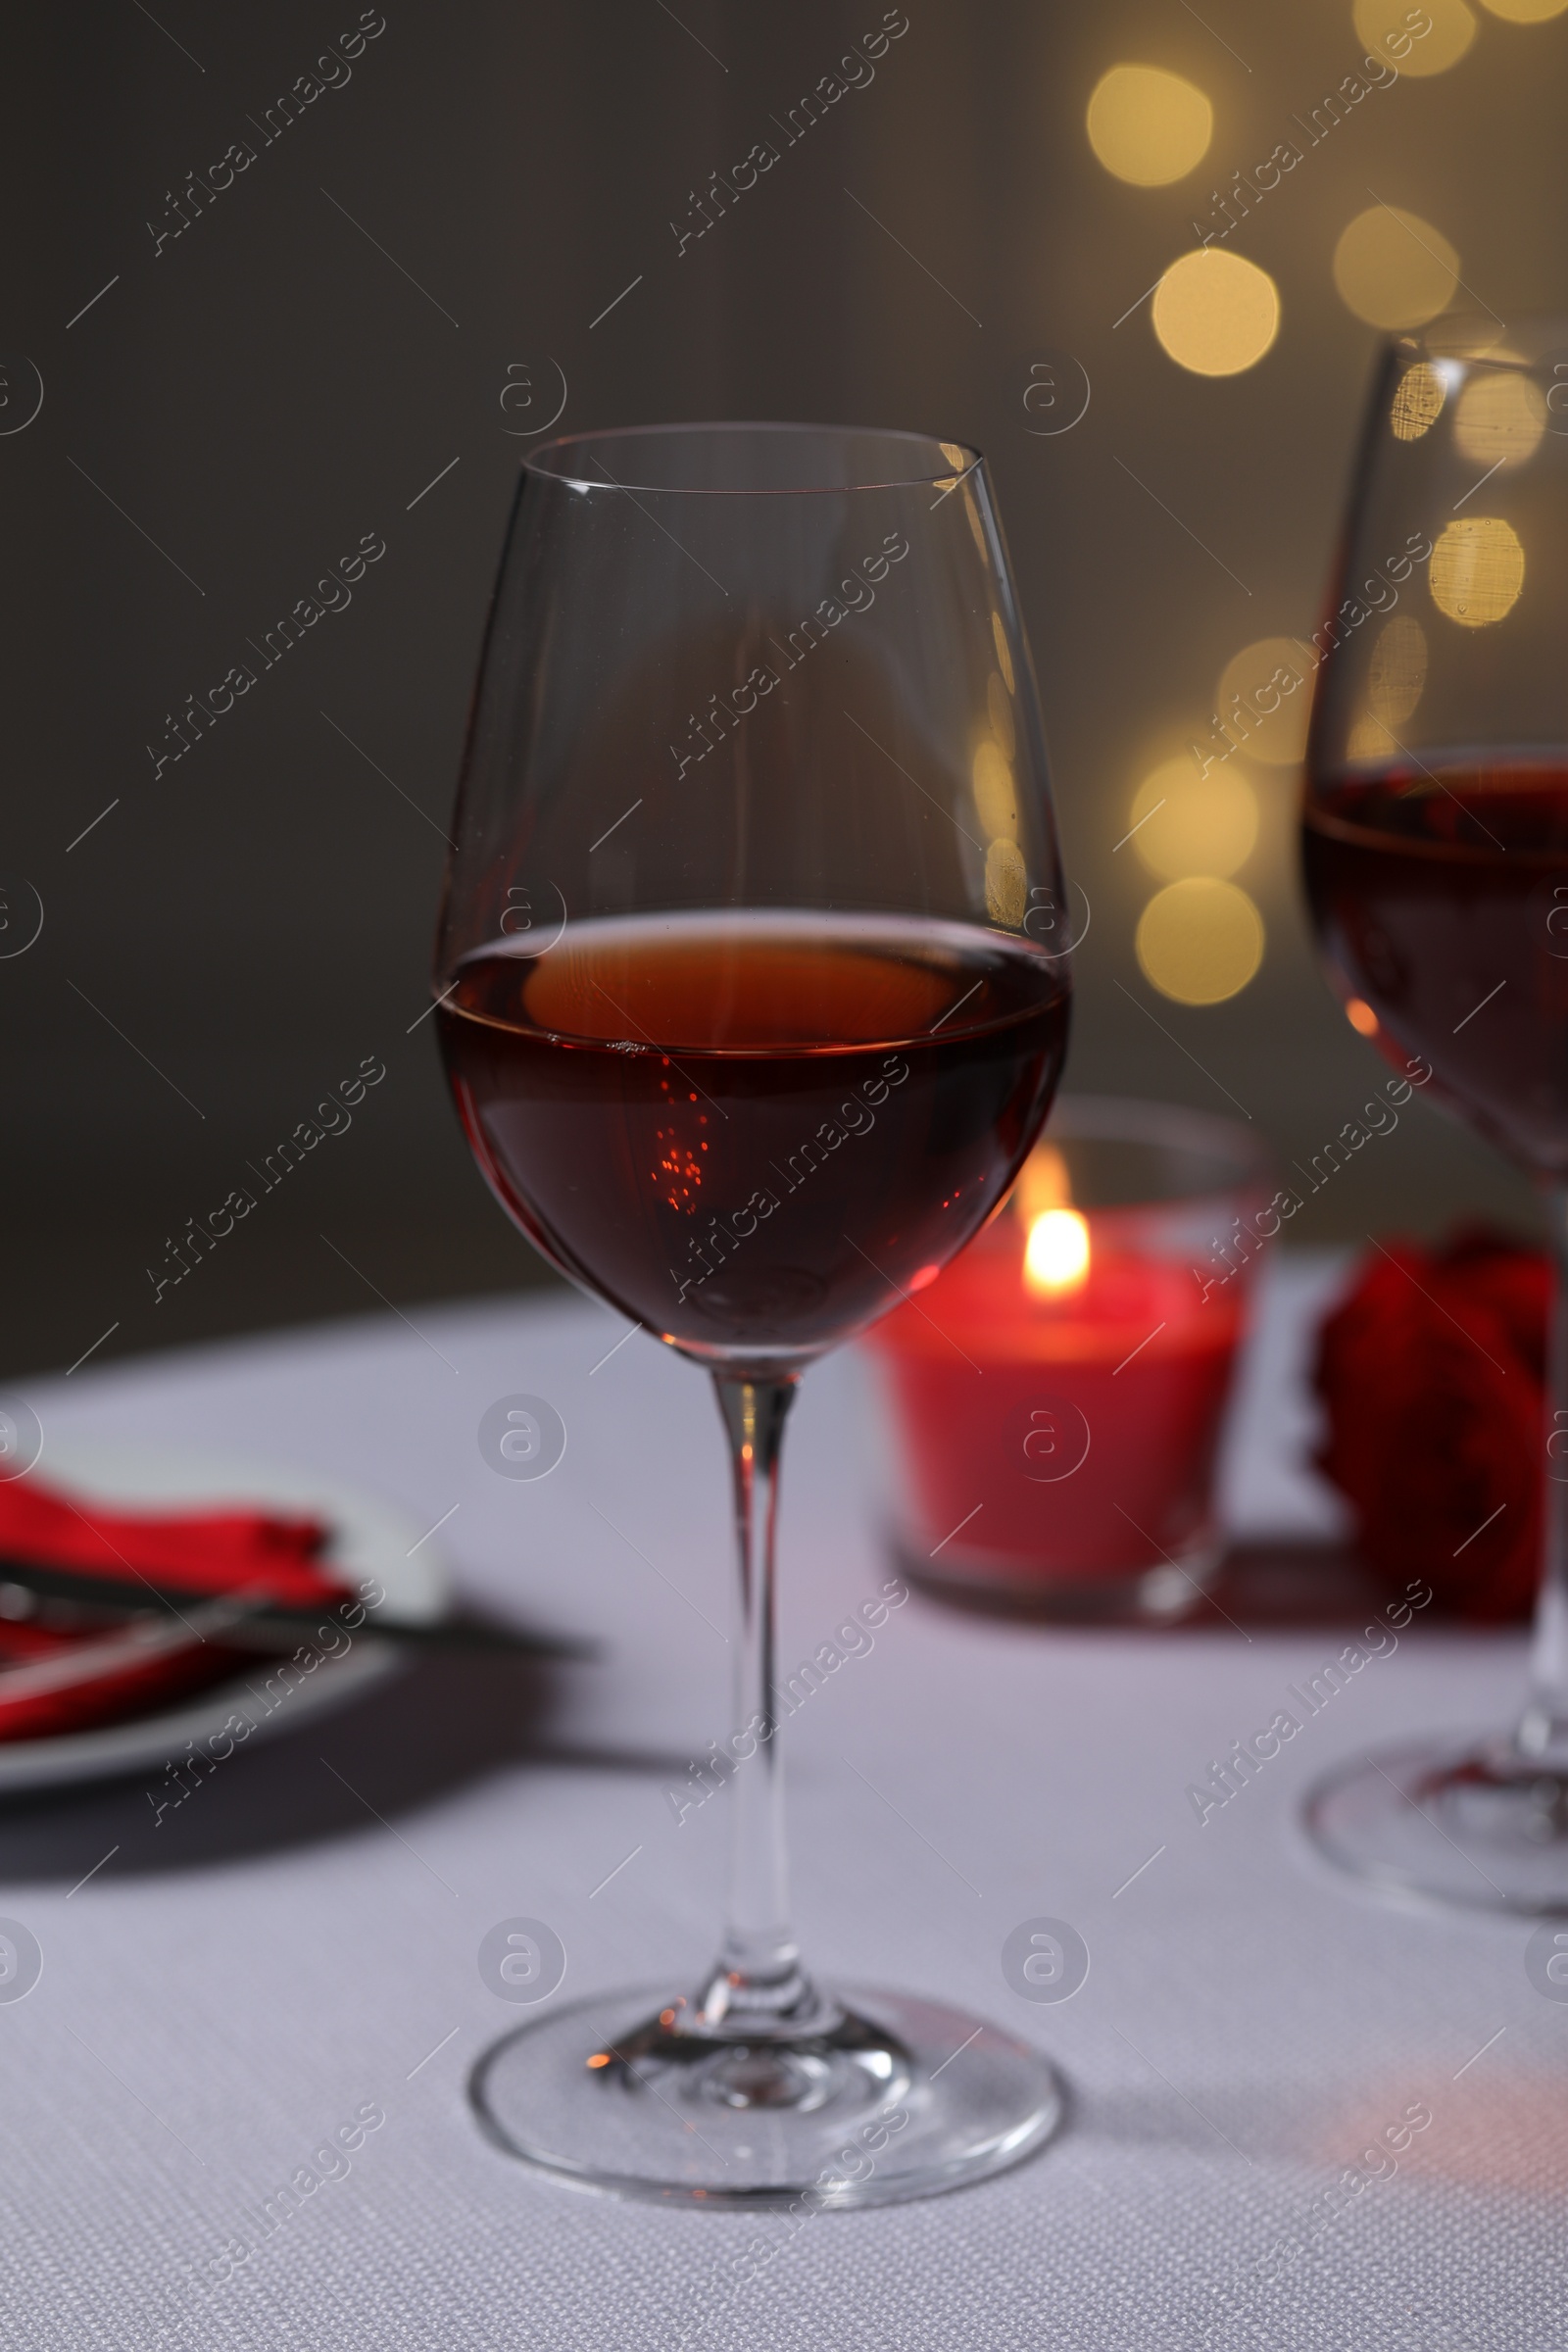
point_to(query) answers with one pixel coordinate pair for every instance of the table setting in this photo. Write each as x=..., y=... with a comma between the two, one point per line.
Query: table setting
x=401, y=1939
x=1248, y=2031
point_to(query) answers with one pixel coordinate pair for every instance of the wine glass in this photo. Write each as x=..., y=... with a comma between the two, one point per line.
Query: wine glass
x=1436, y=853
x=753, y=995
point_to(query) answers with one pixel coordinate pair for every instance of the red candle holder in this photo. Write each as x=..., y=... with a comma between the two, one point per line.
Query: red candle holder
x=1056, y=1396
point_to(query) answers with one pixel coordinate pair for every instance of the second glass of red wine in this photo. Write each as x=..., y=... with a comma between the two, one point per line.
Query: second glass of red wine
x=1436, y=845
x=753, y=995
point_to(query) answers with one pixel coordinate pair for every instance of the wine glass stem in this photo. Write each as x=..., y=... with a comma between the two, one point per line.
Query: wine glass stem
x=757, y=1983
x=1543, y=1731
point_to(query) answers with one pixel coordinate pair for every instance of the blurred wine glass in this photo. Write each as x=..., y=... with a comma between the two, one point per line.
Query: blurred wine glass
x=1436, y=851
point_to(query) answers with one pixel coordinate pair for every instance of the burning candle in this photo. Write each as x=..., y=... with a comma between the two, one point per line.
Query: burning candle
x=1057, y=1393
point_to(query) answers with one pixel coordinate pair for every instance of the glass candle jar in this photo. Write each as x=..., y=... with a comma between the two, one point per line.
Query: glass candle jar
x=1056, y=1396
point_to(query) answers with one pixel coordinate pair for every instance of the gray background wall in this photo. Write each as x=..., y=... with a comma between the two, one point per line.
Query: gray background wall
x=236, y=934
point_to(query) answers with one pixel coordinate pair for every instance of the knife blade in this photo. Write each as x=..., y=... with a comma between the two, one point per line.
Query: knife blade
x=265, y=1622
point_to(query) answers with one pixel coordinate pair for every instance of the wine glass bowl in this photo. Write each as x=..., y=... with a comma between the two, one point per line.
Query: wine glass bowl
x=756, y=763
x=1435, y=857
x=752, y=992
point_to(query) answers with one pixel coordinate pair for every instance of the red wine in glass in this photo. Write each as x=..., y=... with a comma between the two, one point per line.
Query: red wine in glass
x=752, y=1132
x=1440, y=893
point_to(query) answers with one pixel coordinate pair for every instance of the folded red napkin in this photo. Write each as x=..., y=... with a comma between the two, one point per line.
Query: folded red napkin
x=52, y=1681
x=200, y=1551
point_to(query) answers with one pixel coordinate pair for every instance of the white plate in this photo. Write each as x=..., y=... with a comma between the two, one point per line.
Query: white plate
x=369, y=1539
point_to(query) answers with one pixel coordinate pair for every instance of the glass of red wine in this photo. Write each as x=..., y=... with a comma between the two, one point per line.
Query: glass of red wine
x=1436, y=851
x=753, y=992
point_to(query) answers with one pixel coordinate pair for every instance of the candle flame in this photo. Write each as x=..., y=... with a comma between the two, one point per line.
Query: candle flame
x=1055, y=1256
x=1043, y=1183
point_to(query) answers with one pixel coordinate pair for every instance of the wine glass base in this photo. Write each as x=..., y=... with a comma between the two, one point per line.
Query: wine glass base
x=1474, y=1826
x=903, y=2098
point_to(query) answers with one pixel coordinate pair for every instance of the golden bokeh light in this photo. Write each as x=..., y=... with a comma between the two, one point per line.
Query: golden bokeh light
x=1006, y=883
x=999, y=638
x=1418, y=398
x=1264, y=697
x=1397, y=676
x=1526, y=12
x=1215, y=313
x=1055, y=1256
x=1358, y=1011
x=1148, y=126
x=996, y=795
x=1184, y=824
x=1501, y=418
x=1477, y=570
x=998, y=709
x=1453, y=30
x=1395, y=681
x=1199, y=941
x=1043, y=1183
x=1393, y=268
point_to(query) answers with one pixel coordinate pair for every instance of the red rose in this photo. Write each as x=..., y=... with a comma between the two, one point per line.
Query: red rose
x=1432, y=1375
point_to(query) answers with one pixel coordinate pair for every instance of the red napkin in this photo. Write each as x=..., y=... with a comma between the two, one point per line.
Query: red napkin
x=53, y=1683
x=199, y=1551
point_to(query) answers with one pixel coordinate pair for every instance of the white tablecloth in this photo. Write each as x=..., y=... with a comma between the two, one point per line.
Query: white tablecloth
x=284, y=1954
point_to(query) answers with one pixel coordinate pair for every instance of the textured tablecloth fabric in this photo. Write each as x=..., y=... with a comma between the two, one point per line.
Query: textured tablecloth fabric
x=287, y=1951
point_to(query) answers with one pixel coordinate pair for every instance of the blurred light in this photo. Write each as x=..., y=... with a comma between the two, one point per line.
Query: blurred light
x=1395, y=681
x=958, y=457
x=1358, y=1011
x=1055, y=1256
x=1477, y=570
x=1261, y=674
x=1526, y=12
x=1199, y=941
x=1004, y=653
x=996, y=798
x=1186, y=823
x=1369, y=739
x=1148, y=126
x=1043, y=1183
x=1393, y=268
x=1007, y=885
x=1453, y=30
x=1418, y=397
x=1000, y=710
x=1501, y=418
x=1215, y=312
x=1398, y=674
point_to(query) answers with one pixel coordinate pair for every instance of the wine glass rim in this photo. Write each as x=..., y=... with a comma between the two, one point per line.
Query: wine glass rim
x=946, y=461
